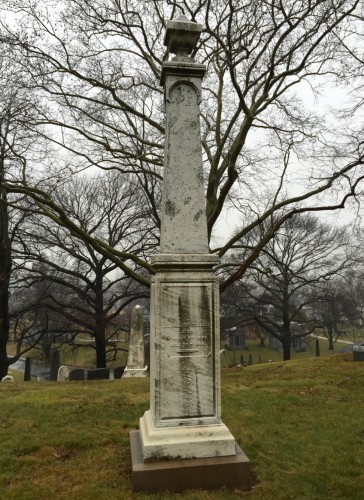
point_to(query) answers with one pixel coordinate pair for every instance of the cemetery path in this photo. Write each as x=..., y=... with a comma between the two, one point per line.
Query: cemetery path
x=320, y=337
x=18, y=366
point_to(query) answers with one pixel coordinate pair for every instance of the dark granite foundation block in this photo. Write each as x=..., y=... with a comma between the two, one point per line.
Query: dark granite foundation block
x=231, y=472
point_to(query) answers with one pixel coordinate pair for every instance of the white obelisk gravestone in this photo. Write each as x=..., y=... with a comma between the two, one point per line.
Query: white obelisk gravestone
x=136, y=358
x=184, y=418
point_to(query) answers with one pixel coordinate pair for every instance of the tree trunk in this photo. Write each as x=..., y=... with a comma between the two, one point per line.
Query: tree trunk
x=330, y=337
x=286, y=327
x=4, y=335
x=46, y=344
x=286, y=344
x=100, y=330
x=5, y=269
x=100, y=351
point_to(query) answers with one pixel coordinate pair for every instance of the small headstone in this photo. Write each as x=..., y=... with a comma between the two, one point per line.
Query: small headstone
x=27, y=369
x=76, y=374
x=99, y=374
x=136, y=362
x=147, y=351
x=317, y=347
x=358, y=352
x=250, y=359
x=55, y=362
x=118, y=372
x=63, y=374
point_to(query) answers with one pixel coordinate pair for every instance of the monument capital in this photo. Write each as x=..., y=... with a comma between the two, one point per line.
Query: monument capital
x=182, y=36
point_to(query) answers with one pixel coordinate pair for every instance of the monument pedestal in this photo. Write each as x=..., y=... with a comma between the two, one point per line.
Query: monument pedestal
x=182, y=442
x=232, y=472
x=199, y=441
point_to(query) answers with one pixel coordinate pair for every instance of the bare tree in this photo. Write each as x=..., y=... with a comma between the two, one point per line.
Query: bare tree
x=17, y=141
x=81, y=286
x=5, y=259
x=303, y=253
x=32, y=325
x=96, y=63
x=352, y=287
x=332, y=309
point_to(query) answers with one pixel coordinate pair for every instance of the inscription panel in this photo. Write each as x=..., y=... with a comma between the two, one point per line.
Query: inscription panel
x=187, y=343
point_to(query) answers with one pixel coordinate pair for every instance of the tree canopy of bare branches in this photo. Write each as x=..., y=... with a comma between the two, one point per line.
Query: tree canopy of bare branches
x=79, y=290
x=288, y=276
x=96, y=66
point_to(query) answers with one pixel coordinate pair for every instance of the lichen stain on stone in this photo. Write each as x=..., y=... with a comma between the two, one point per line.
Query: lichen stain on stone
x=186, y=368
x=159, y=456
x=199, y=175
x=187, y=200
x=198, y=215
x=198, y=397
x=170, y=208
x=206, y=308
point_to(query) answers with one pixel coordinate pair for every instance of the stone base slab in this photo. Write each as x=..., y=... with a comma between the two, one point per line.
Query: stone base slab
x=232, y=472
x=135, y=372
x=197, y=441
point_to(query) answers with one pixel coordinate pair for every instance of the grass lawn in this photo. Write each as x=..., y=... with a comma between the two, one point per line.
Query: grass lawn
x=82, y=356
x=85, y=357
x=301, y=423
x=266, y=354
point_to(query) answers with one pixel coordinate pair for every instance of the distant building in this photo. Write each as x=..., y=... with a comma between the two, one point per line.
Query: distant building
x=234, y=338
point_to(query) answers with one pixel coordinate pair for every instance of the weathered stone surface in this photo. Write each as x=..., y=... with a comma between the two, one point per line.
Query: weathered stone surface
x=136, y=357
x=118, y=372
x=76, y=374
x=63, y=373
x=55, y=362
x=98, y=374
x=184, y=420
x=184, y=348
x=132, y=372
x=185, y=414
x=27, y=369
x=181, y=36
x=184, y=227
x=190, y=441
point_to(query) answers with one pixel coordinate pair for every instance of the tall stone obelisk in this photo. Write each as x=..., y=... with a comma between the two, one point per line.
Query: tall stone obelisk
x=184, y=419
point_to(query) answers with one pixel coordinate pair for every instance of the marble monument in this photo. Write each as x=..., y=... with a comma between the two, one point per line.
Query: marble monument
x=184, y=419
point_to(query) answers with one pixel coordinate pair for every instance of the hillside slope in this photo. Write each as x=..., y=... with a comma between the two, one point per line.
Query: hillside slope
x=301, y=424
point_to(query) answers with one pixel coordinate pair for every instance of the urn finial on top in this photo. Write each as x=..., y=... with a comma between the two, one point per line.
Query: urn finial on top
x=182, y=36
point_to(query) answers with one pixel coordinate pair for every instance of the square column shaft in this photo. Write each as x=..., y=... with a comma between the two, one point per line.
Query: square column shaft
x=184, y=228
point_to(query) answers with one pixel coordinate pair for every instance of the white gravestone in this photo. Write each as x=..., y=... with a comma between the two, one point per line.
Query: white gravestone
x=184, y=420
x=136, y=363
